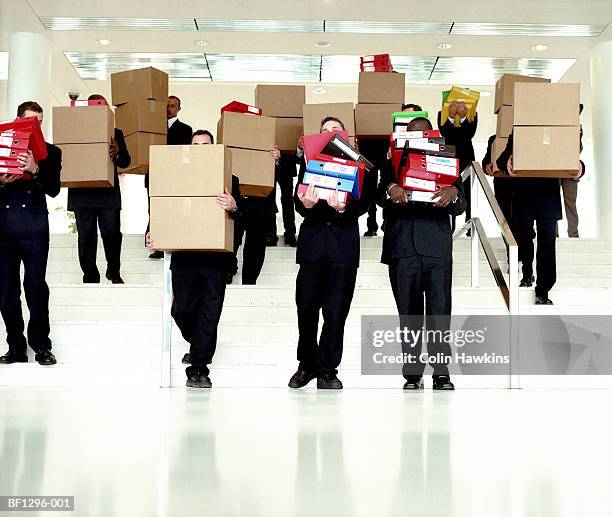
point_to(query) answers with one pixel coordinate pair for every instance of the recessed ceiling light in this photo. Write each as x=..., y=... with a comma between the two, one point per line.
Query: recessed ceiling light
x=539, y=48
x=319, y=91
x=103, y=42
x=323, y=44
x=444, y=46
x=201, y=43
x=485, y=94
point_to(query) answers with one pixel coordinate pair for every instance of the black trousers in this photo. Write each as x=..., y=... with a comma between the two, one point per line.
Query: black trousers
x=87, y=222
x=372, y=223
x=285, y=182
x=253, y=230
x=423, y=285
x=33, y=254
x=198, y=301
x=467, y=189
x=546, y=259
x=327, y=288
x=503, y=195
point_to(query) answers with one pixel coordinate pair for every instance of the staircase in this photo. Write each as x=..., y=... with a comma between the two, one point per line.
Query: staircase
x=111, y=335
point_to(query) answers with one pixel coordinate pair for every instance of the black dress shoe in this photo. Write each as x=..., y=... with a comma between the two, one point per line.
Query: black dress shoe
x=527, y=281
x=543, y=300
x=229, y=278
x=186, y=359
x=199, y=381
x=291, y=241
x=300, y=379
x=115, y=279
x=90, y=280
x=370, y=233
x=442, y=383
x=329, y=381
x=13, y=357
x=414, y=383
x=272, y=242
x=45, y=358
x=157, y=255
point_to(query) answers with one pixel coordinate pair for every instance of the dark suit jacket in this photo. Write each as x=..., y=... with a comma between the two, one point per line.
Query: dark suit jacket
x=461, y=138
x=23, y=205
x=178, y=134
x=541, y=196
x=327, y=236
x=416, y=228
x=212, y=259
x=102, y=197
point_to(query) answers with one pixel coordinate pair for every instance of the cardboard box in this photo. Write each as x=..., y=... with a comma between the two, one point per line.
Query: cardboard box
x=547, y=104
x=315, y=113
x=83, y=125
x=280, y=100
x=142, y=115
x=499, y=146
x=190, y=224
x=381, y=87
x=288, y=132
x=504, y=88
x=246, y=131
x=255, y=170
x=86, y=165
x=374, y=119
x=138, y=146
x=143, y=83
x=505, y=121
x=552, y=152
x=189, y=170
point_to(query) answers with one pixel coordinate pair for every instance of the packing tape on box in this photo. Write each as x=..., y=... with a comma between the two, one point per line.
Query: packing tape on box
x=546, y=136
x=186, y=154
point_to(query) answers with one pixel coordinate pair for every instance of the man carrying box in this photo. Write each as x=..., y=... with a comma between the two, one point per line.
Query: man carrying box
x=198, y=287
x=100, y=207
x=24, y=237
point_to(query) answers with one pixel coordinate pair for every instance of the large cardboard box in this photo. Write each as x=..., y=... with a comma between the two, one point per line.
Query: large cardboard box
x=190, y=224
x=255, y=170
x=280, y=100
x=499, y=146
x=315, y=113
x=138, y=146
x=143, y=115
x=143, y=83
x=552, y=152
x=86, y=165
x=246, y=131
x=505, y=121
x=547, y=104
x=189, y=170
x=381, y=88
x=288, y=132
x=83, y=125
x=504, y=89
x=374, y=119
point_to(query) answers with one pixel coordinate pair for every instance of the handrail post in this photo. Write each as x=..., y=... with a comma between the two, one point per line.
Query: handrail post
x=166, y=349
x=474, y=235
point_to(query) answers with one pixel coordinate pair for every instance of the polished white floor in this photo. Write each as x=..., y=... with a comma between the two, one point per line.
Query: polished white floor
x=272, y=452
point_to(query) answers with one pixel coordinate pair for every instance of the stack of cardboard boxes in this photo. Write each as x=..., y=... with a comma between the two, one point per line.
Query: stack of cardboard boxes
x=379, y=95
x=141, y=97
x=184, y=183
x=283, y=103
x=250, y=138
x=504, y=108
x=84, y=134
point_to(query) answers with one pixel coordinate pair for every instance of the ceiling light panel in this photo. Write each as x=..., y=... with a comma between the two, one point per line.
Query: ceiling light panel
x=375, y=27
x=160, y=24
x=179, y=66
x=260, y=25
x=526, y=29
x=486, y=71
x=283, y=68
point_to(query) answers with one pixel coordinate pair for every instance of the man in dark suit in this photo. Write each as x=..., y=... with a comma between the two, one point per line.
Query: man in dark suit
x=461, y=138
x=536, y=200
x=418, y=248
x=328, y=255
x=179, y=133
x=24, y=237
x=198, y=286
x=101, y=207
x=285, y=173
